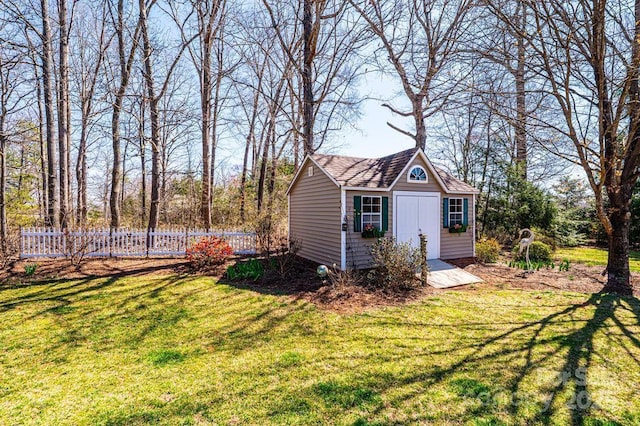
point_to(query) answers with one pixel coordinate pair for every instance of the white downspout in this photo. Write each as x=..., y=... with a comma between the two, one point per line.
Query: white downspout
x=473, y=210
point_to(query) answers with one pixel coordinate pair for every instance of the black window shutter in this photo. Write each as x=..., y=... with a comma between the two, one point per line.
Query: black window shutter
x=465, y=211
x=357, y=212
x=445, y=212
x=385, y=213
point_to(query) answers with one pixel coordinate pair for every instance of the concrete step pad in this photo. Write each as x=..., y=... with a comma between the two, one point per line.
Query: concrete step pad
x=444, y=275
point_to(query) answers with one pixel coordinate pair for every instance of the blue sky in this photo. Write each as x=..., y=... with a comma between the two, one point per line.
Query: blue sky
x=374, y=138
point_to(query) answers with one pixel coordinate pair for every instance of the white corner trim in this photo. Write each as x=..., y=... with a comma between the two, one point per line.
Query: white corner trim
x=343, y=234
x=473, y=210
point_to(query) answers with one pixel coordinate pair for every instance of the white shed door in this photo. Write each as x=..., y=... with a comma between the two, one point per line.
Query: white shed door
x=416, y=214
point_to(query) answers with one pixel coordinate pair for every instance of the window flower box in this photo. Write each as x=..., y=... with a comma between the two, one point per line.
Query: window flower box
x=371, y=231
x=458, y=228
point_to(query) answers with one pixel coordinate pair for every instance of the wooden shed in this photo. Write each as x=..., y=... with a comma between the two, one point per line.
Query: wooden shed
x=339, y=205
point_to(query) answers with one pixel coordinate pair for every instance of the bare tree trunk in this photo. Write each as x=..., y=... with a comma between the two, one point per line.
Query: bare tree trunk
x=41, y=143
x=296, y=134
x=618, y=277
x=309, y=38
x=243, y=179
x=217, y=104
x=250, y=141
x=3, y=185
x=63, y=113
x=263, y=165
x=125, y=63
x=521, y=110
x=143, y=162
x=205, y=107
x=53, y=214
x=81, y=176
x=421, y=128
x=87, y=91
x=154, y=211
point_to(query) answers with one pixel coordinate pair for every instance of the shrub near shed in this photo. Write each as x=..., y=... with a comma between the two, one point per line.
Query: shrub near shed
x=208, y=252
x=487, y=250
x=538, y=251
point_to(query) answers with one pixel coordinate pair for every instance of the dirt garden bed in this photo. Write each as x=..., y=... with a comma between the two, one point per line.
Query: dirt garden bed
x=303, y=283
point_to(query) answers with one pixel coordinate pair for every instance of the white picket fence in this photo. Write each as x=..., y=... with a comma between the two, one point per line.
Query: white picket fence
x=50, y=242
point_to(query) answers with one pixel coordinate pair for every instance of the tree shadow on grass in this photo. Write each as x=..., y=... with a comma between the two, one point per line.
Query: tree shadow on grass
x=576, y=335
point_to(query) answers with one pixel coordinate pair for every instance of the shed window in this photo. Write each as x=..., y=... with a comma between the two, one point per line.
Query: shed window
x=417, y=174
x=372, y=212
x=310, y=171
x=455, y=211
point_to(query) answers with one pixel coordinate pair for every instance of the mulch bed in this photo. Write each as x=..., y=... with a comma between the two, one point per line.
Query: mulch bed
x=302, y=283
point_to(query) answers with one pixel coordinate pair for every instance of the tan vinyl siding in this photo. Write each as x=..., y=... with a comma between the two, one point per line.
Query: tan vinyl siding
x=430, y=186
x=314, y=216
x=358, y=248
x=454, y=245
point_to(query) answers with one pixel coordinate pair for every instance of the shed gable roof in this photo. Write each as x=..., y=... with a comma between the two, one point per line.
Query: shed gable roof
x=381, y=173
x=378, y=173
x=365, y=172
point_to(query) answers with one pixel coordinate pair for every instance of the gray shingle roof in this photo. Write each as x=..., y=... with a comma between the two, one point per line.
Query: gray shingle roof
x=453, y=183
x=378, y=172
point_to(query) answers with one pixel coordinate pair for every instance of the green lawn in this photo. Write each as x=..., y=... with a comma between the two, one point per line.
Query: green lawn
x=594, y=256
x=180, y=350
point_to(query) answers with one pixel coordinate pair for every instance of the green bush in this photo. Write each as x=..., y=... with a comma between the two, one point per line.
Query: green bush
x=250, y=270
x=396, y=265
x=547, y=237
x=538, y=252
x=487, y=250
x=30, y=269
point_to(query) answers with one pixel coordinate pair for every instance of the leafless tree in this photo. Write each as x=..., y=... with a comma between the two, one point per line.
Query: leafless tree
x=589, y=54
x=209, y=20
x=88, y=55
x=11, y=100
x=154, y=96
x=53, y=217
x=126, y=54
x=64, y=110
x=418, y=41
x=319, y=38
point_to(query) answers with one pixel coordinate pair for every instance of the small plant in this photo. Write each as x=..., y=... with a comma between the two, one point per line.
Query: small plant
x=536, y=265
x=283, y=260
x=564, y=265
x=250, y=270
x=538, y=251
x=488, y=250
x=341, y=279
x=396, y=265
x=208, y=252
x=30, y=269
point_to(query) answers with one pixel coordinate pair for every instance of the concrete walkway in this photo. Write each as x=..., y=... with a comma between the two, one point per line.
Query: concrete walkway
x=444, y=275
